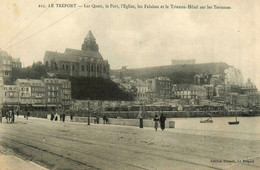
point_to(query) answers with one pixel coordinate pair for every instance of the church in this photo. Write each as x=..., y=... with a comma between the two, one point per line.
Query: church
x=87, y=62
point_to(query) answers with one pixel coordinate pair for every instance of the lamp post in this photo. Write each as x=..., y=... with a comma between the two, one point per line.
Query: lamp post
x=119, y=107
x=88, y=114
x=140, y=117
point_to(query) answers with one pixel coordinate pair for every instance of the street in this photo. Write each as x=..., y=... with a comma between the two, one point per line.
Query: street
x=68, y=145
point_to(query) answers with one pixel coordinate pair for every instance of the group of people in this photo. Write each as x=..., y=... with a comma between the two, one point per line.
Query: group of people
x=9, y=116
x=162, y=120
x=55, y=117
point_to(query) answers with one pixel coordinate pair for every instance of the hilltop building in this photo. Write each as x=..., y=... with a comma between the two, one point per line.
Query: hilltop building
x=87, y=62
x=182, y=62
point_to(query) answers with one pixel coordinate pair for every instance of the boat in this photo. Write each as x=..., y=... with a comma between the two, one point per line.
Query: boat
x=209, y=120
x=234, y=123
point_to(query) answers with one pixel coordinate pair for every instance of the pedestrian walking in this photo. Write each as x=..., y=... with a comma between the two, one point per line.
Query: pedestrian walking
x=156, y=120
x=56, y=117
x=1, y=115
x=71, y=116
x=63, y=117
x=10, y=116
x=7, y=116
x=17, y=112
x=140, y=119
x=162, y=121
x=28, y=114
x=52, y=116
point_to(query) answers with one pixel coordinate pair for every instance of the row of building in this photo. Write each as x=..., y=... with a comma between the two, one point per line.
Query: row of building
x=37, y=94
x=162, y=88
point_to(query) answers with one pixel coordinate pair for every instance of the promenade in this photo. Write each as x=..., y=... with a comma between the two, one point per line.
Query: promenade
x=67, y=145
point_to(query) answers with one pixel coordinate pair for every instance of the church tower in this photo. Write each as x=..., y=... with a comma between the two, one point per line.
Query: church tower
x=90, y=43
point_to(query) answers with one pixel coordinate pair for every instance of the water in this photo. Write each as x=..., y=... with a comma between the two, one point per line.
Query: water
x=249, y=125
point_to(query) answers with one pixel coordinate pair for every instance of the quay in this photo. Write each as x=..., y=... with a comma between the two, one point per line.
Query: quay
x=69, y=145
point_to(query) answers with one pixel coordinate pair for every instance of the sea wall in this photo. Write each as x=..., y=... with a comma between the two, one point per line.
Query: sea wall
x=147, y=114
x=169, y=114
x=113, y=121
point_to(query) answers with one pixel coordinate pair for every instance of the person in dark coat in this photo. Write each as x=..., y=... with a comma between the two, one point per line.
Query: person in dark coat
x=71, y=116
x=104, y=119
x=52, y=116
x=162, y=121
x=1, y=116
x=63, y=117
x=56, y=117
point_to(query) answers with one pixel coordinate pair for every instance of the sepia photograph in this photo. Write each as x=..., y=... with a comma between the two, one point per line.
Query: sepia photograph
x=129, y=84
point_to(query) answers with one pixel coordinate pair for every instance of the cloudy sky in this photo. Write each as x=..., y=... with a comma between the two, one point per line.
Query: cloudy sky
x=137, y=37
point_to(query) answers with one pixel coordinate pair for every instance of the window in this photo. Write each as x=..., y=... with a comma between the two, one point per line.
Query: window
x=73, y=67
x=55, y=66
x=82, y=68
x=92, y=68
x=67, y=67
x=63, y=67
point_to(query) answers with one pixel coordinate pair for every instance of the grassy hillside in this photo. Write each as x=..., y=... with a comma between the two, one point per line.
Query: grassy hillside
x=97, y=89
x=82, y=87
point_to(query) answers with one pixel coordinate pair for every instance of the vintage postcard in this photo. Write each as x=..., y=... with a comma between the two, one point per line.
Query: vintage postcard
x=129, y=84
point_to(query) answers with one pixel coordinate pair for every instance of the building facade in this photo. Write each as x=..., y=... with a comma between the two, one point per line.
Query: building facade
x=16, y=63
x=249, y=88
x=87, y=62
x=162, y=87
x=5, y=65
x=189, y=91
x=11, y=95
x=200, y=79
x=58, y=93
x=209, y=90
